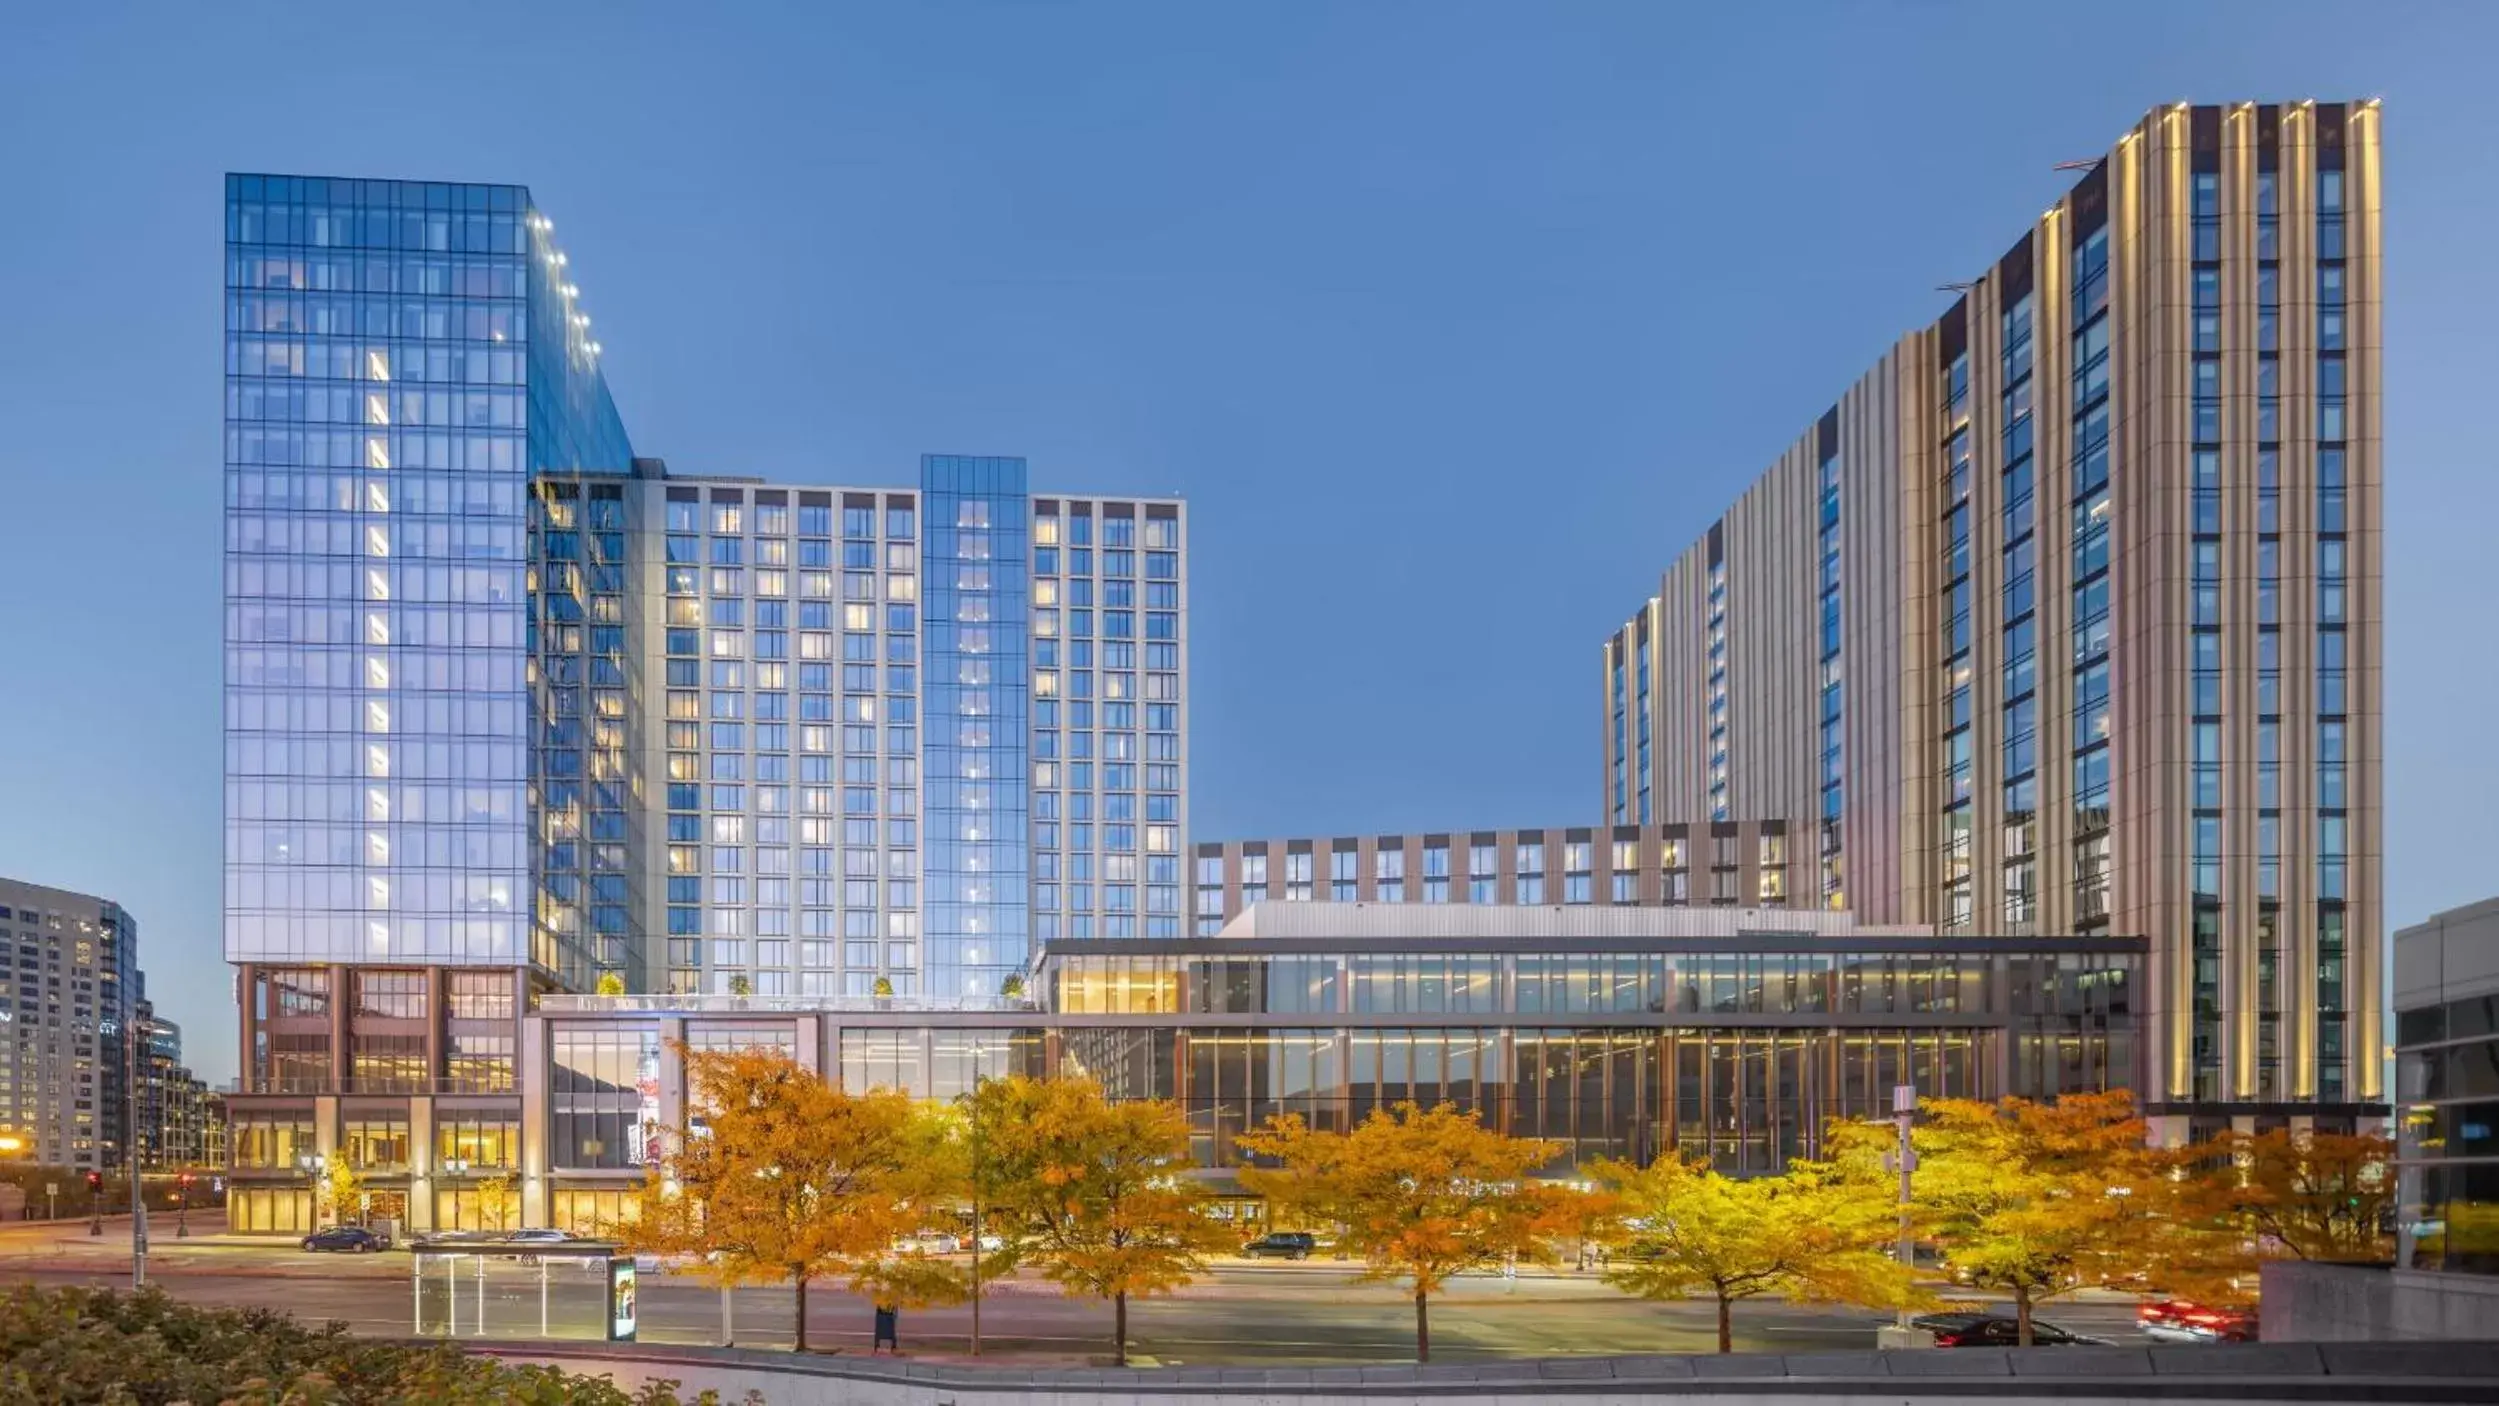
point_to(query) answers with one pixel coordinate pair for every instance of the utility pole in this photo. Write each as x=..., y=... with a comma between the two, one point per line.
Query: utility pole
x=1904, y=1160
x=130, y=1152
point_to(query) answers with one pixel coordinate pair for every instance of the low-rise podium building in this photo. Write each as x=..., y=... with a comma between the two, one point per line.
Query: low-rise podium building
x=1728, y=1033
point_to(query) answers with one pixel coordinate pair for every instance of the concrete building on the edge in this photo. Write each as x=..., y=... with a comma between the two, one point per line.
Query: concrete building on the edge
x=65, y=1022
x=2065, y=618
x=2444, y=1285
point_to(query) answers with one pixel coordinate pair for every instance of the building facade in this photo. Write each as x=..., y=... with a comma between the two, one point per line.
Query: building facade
x=1615, y=1033
x=175, y=1113
x=1729, y=863
x=2447, y=1088
x=65, y=1022
x=2065, y=617
x=512, y=711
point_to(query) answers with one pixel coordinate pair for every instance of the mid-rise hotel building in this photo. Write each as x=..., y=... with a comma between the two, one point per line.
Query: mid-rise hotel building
x=510, y=710
x=2065, y=617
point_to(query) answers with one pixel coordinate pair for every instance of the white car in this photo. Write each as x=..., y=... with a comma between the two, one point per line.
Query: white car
x=929, y=1242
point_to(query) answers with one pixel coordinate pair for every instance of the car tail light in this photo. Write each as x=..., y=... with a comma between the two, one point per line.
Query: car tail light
x=1947, y=1339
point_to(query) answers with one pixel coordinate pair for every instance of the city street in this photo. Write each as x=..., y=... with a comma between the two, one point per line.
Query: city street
x=1242, y=1313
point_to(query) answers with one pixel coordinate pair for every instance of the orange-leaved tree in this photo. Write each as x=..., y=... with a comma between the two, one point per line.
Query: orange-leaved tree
x=1098, y=1195
x=1814, y=1232
x=2308, y=1195
x=2036, y=1200
x=1421, y=1194
x=790, y=1178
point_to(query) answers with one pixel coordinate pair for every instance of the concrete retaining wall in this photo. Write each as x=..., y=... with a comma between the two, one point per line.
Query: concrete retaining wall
x=2254, y=1373
x=2306, y=1302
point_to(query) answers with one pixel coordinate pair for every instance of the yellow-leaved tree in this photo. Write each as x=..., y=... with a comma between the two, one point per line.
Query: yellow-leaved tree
x=498, y=1198
x=1421, y=1194
x=2035, y=1200
x=1097, y=1195
x=340, y=1192
x=1815, y=1232
x=790, y=1178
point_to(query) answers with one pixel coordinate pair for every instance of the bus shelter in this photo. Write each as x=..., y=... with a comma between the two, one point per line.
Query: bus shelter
x=486, y=1287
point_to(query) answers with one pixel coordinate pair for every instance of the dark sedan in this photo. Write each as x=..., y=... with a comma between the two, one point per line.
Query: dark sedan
x=1997, y=1330
x=352, y=1239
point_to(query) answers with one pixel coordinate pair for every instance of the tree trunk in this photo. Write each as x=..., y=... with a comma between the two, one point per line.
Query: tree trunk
x=1726, y=1325
x=1119, y=1329
x=801, y=1277
x=2021, y=1314
x=1422, y=1327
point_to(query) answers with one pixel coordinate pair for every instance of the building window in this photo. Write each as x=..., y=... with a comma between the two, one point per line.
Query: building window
x=597, y=1106
x=390, y=995
x=390, y=1064
x=2093, y=452
x=479, y=996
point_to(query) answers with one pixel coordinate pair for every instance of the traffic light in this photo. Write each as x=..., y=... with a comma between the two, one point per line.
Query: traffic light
x=95, y=1181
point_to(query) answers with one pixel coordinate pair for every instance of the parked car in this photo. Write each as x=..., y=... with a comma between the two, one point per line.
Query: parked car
x=1282, y=1245
x=1997, y=1330
x=350, y=1239
x=2179, y=1321
x=991, y=1244
x=929, y=1242
x=539, y=1235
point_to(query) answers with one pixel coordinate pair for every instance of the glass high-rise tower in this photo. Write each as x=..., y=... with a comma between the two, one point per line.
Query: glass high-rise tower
x=400, y=358
x=509, y=709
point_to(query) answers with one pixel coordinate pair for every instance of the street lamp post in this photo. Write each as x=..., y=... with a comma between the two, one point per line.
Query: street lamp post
x=182, y=1207
x=1904, y=1160
x=138, y=1188
x=312, y=1164
x=976, y=1213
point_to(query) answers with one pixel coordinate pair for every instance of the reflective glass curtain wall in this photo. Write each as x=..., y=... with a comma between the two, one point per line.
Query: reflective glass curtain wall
x=399, y=356
x=974, y=554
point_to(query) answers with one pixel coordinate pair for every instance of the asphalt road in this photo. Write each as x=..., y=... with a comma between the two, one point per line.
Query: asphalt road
x=1241, y=1314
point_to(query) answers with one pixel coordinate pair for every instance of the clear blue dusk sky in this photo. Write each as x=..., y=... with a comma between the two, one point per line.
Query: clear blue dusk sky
x=1453, y=321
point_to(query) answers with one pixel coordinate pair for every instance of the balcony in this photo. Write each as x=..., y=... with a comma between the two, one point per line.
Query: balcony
x=694, y=1003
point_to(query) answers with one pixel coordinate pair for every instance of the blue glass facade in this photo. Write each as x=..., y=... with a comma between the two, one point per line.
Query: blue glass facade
x=975, y=556
x=400, y=357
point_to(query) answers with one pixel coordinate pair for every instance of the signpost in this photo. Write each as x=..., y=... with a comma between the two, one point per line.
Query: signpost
x=52, y=1200
x=620, y=1299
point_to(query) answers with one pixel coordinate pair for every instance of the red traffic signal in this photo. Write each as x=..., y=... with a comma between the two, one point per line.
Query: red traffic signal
x=95, y=1181
x=186, y=1178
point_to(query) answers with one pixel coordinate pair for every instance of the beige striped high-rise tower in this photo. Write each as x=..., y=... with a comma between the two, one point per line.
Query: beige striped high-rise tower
x=2065, y=618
